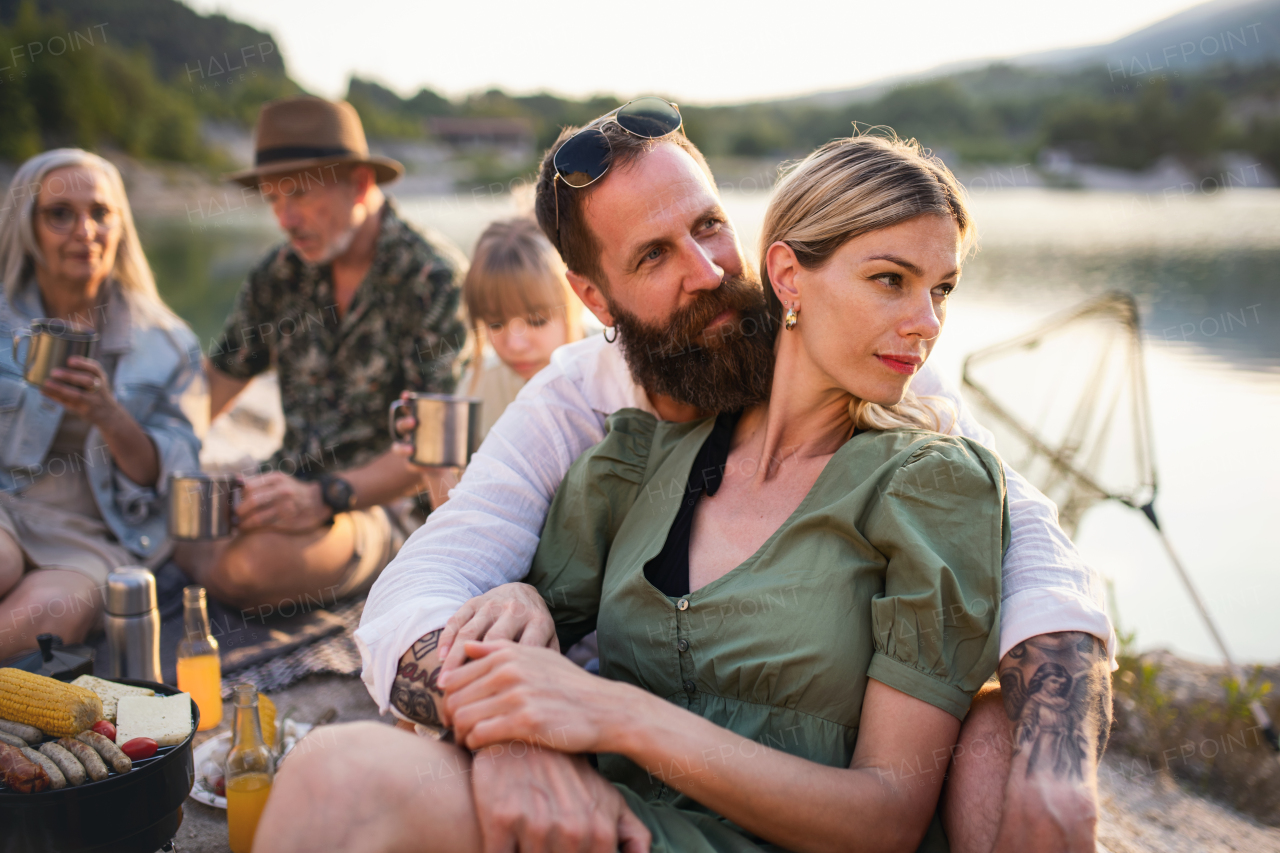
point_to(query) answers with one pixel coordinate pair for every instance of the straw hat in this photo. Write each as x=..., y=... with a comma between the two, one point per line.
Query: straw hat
x=303, y=131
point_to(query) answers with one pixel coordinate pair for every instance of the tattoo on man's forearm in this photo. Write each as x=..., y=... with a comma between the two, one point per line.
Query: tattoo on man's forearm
x=414, y=691
x=1057, y=692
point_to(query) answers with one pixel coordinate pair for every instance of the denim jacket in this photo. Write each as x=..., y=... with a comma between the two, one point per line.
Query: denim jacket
x=155, y=367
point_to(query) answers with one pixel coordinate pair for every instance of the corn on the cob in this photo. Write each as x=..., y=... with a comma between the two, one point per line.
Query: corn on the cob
x=267, y=718
x=55, y=708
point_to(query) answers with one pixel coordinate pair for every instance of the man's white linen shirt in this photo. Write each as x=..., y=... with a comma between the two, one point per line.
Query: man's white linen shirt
x=487, y=532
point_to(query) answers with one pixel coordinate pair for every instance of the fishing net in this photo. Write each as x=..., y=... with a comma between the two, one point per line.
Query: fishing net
x=1068, y=404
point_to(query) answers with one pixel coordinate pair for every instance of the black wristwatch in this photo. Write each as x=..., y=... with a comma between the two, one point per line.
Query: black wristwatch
x=336, y=493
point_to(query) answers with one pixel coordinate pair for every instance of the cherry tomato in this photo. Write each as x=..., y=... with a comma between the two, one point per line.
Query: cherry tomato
x=139, y=748
x=104, y=728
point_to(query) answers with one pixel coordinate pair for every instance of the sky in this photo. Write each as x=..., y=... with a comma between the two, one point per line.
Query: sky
x=693, y=52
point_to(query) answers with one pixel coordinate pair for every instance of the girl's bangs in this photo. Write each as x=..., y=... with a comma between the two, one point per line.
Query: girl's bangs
x=496, y=297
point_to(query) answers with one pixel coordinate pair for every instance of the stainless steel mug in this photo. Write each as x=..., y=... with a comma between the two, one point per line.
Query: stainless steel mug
x=50, y=344
x=202, y=506
x=132, y=623
x=448, y=430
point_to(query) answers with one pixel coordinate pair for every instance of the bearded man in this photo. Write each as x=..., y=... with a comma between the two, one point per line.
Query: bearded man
x=651, y=252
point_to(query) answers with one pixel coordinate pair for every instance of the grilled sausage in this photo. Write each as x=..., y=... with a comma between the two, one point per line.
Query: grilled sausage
x=110, y=753
x=12, y=740
x=56, y=779
x=30, y=734
x=70, y=766
x=85, y=755
x=20, y=773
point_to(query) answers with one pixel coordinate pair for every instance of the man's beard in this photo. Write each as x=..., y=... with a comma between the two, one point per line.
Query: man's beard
x=335, y=247
x=728, y=369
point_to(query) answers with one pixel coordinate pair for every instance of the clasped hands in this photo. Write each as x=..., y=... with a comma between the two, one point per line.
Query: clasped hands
x=506, y=681
x=515, y=685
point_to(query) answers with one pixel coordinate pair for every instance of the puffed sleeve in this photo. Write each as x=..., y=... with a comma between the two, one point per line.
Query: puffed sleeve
x=942, y=523
x=589, y=506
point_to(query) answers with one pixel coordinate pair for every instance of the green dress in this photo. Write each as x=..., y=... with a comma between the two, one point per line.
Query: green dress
x=888, y=569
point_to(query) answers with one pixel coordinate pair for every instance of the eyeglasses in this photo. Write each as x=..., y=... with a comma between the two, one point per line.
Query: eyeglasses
x=63, y=218
x=584, y=158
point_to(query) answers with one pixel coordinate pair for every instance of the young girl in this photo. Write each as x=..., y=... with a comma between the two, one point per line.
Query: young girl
x=519, y=302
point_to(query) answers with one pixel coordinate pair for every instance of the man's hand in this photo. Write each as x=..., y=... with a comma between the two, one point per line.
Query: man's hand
x=283, y=502
x=513, y=611
x=1057, y=695
x=538, y=800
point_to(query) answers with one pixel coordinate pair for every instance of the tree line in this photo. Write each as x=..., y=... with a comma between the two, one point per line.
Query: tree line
x=121, y=83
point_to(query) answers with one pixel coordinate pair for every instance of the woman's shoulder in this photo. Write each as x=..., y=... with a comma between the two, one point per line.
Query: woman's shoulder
x=949, y=462
x=157, y=327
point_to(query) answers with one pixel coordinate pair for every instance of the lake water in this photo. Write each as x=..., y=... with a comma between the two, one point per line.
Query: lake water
x=1206, y=273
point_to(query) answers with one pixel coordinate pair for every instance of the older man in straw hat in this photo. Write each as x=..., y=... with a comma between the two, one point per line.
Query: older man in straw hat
x=354, y=308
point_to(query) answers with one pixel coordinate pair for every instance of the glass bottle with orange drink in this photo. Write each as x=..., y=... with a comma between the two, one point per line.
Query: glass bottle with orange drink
x=199, y=668
x=250, y=771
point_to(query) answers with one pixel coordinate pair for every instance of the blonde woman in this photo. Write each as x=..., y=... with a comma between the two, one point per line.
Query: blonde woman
x=83, y=457
x=520, y=304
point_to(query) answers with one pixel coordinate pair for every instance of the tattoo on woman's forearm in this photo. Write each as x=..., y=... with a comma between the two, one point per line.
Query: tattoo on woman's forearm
x=1057, y=692
x=414, y=691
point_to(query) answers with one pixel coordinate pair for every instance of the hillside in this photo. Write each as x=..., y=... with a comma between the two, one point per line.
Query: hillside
x=159, y=76
x=140, y=76
x=151, y=26
x=1246, y=32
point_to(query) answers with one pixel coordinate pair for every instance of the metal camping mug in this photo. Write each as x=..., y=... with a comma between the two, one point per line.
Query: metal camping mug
x=50, y=344
x=202, y=506
x=448, y=430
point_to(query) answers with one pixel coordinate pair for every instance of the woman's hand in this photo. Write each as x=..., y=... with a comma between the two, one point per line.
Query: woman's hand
x=83, y=389
x=510, y=692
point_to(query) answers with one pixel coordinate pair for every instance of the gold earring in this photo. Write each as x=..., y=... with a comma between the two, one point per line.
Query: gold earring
x=793, y=317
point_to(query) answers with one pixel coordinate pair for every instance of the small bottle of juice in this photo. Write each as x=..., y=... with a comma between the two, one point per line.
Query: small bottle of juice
x=250, y=771
x=199, y=668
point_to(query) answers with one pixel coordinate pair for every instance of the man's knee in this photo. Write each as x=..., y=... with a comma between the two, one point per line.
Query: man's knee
x=239, y=575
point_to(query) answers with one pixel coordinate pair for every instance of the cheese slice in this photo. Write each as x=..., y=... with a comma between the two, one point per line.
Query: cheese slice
x=164, y=719
x=109, y=692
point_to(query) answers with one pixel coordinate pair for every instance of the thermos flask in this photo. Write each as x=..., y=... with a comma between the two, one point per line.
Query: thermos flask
x=132, y=625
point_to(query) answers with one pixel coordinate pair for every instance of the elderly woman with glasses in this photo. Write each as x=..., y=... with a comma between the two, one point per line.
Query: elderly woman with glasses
x=84, y=454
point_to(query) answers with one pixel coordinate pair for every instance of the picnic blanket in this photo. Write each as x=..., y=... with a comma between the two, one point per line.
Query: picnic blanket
x=269, y=647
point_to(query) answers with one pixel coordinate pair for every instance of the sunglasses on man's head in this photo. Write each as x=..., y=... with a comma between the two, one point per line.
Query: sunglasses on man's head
x=585, y=157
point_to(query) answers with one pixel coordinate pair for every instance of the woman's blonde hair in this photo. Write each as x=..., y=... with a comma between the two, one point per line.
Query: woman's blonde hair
x=850, y=187
x=20, y=250
x=516, y=272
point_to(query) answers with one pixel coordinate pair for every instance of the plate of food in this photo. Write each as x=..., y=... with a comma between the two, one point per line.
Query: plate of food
x=211, y=756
